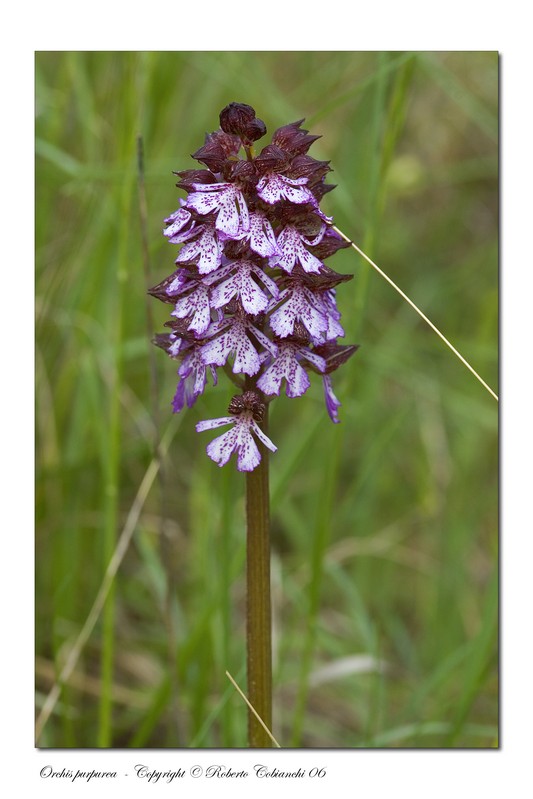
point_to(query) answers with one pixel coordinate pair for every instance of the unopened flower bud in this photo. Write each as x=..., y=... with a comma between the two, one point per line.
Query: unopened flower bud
x=240, y=120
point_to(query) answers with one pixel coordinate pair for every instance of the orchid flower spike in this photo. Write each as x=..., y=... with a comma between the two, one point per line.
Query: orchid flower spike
x=251, y=291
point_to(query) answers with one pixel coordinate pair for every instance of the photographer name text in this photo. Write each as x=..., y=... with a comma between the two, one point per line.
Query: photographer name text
x=214, y=771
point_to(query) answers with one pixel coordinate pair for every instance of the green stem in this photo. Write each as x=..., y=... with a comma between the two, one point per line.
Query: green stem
x=258, y=617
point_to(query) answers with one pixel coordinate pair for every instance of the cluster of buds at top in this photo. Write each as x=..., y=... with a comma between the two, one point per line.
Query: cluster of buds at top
x=251, y=292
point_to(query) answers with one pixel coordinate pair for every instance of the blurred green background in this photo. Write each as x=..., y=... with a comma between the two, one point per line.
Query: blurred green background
x=385, y=527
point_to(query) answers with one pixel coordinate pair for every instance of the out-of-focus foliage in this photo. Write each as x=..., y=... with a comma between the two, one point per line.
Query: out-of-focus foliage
x=384, y=527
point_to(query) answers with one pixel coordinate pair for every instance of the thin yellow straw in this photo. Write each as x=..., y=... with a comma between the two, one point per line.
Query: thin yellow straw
x=254, y=711
x=417, y=309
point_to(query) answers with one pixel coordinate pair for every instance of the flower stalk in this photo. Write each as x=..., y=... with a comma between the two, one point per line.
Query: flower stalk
x=258, y=599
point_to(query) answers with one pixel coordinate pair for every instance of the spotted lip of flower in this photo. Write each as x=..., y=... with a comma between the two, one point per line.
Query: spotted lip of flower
x=230, y=336
x=291, y=246
x=239, y=439
x=297, y=303
x=227, y=199
x=287, y=366
x=238, y=281
x=326, y=303
x=176, y=222
x=260, y=236
x=205, y=248
x=274, y=187
x=195, y=304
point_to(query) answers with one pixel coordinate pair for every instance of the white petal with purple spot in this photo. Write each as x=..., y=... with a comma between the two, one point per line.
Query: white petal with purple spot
x=196, y=304
x=299, y=305
x=290, y=244
x=176, y=221
x=202, y=201
x=274, y=187
x=207, y=247
x=261, y=236
x=241, y=285
x=285, y=366
x=233, y=340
